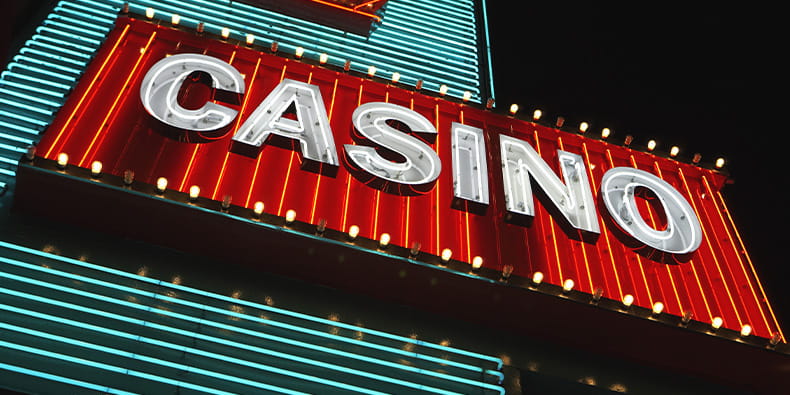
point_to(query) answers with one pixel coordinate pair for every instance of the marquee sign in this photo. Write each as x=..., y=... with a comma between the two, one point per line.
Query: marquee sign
x=235, y=123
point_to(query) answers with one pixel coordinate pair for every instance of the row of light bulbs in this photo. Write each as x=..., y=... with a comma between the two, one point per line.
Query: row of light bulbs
x=323, y=58
x=385, y=239
x=258, y=207
x=606, y=132
x=657, y=308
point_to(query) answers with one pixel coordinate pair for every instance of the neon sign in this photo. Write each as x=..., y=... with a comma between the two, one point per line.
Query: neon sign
x=432, y=174
x=418, y=165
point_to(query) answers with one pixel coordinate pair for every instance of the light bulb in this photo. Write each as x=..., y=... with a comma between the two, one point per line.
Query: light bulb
x=384, y=240
x=194, y=192
x=446, y=255
x=161, y=185
x=628, y=300
x=537, y=278
x=290, y=216
x=257, y=208
x=513, y=109
x=477, y=263
x=96, y=168
x=537, y=114
x=658, y=307
x=584, y=126
x=716, y=323
x=63, y=160
x=567, y=285
x=353, y=232
x=395, y=77
x=323, y=58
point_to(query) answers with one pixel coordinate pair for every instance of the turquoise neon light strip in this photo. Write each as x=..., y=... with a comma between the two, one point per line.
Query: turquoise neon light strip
x=202, y=307
x=173, y=346
x=61, y=379
x=110, y=368
x=318, y=320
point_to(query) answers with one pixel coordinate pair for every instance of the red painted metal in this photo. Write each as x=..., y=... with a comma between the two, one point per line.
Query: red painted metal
x=104, y=120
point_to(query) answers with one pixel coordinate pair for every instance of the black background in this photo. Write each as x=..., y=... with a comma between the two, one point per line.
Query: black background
x=705, y=79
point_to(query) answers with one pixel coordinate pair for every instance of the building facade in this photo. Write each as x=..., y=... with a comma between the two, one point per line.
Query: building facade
x=320, y=197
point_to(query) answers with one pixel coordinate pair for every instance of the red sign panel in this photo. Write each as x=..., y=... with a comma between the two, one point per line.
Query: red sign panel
x=104, y=120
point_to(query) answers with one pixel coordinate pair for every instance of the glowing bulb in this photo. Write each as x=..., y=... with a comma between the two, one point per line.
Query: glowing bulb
x=674, y=151
x=372, y=71
x=353, y=232
x=96, y=168
x=395, y=77
x=161, y=184
x=719, y=163
x=467, y=95
x=257, y=208
x=323, y=58
x=225, y=33
x=537, y=278
x=443, y=90
x=584, y=126
x=194, y=192
x=537, y=114
x=628, y=300
x=299, y=51
x=567, y=285
x=446, y=255
x=651, y=145
x=251, y=39
x=175, y=19
x=746, y=330
x=605, y=132
x=716, y=323
x=658, y=307
x=477, y=263
x=290, y=216
x=63, y=160
x=384, y=240
x=513, y=109
x=149, y=13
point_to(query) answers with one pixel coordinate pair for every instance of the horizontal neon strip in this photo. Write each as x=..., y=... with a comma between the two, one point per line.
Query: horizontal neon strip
x=198, y=321
x=61, y=379
x=259, y=306
x=108, y=367
x=29, y=331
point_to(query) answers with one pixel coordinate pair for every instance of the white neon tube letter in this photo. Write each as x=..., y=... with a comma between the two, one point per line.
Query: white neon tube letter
x=572, y=198
x=683, y=233
x=470, y=168
x=310, y=128
x=159, y=92
x=421, y=165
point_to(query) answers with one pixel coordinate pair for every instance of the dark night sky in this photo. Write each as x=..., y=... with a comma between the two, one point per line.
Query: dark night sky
x=702, y=79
